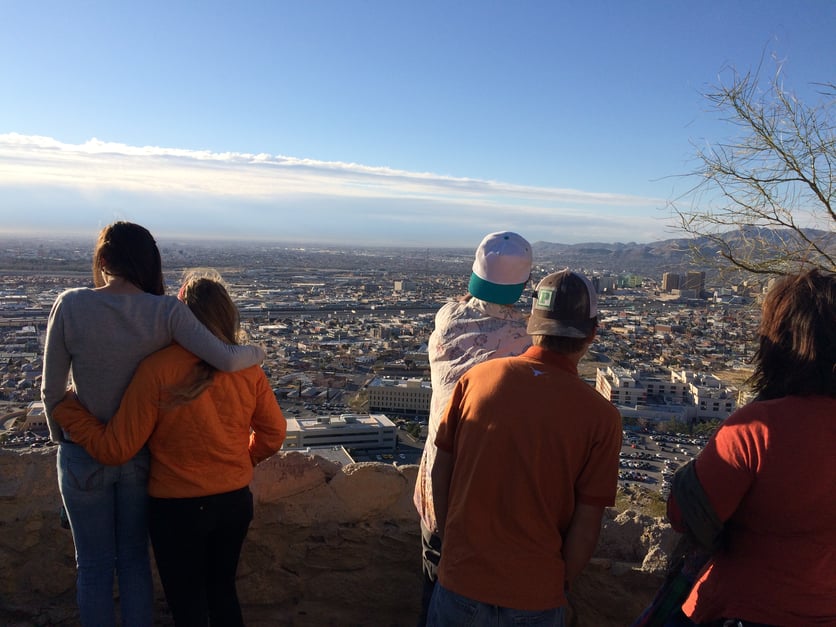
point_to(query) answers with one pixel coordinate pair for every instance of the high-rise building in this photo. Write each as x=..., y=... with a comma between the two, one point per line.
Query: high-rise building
x=604, y=284
x=629, y=280
x=694, y=280
x=670, y=281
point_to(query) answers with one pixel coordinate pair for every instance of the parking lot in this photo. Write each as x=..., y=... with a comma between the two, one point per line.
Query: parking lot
x=650, y=458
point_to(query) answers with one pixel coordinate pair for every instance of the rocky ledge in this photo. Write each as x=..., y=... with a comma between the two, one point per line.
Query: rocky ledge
x=329, y=545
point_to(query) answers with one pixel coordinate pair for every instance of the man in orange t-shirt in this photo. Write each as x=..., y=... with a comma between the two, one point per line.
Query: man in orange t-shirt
x=527, y=462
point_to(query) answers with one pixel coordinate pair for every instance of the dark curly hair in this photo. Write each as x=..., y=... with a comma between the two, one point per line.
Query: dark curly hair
x=796, y=355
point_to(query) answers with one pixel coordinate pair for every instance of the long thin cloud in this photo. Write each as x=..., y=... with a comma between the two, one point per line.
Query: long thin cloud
x=101, y=169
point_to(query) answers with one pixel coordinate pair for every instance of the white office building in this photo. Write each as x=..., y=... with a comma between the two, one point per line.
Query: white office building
x=620, y=386
x=35, y=417
x=372, y=431
x=400, y=396
x=683, y=396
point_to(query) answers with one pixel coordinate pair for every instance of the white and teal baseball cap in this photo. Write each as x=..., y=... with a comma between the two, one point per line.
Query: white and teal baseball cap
x=501, y=269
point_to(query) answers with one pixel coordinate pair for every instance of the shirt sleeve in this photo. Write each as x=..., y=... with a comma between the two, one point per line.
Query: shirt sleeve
x=56, y=369
x=726, y=466
x=269, y=426
x=118, y=440
x=598, y=482
x=445, y=437
x=189, y=333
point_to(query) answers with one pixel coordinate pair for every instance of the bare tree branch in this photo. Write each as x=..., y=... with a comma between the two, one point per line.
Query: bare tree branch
x=763, y=200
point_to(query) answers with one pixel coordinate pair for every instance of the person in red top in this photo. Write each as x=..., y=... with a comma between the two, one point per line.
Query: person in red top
x=205, y=430
x=527, y=461
x=761, y=492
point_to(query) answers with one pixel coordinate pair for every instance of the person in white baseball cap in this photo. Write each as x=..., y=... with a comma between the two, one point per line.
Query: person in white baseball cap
x=480, y=326
x=526, y=464
x=501, y=269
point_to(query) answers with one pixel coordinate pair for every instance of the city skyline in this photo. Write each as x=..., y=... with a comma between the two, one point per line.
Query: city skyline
x=377, y=124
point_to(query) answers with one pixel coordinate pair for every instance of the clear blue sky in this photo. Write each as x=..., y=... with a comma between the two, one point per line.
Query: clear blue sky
x=387, y=121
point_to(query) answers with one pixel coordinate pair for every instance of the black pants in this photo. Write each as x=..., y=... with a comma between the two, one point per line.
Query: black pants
x=197, y=543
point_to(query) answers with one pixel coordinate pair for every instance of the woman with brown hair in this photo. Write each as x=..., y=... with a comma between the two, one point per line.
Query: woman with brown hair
x=760, y=495
x=205, y=430
x=99, y=335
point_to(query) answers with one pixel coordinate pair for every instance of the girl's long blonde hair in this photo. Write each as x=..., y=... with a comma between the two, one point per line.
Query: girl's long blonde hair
x=204, y=293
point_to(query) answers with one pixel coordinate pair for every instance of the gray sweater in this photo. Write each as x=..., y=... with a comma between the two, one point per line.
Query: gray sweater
x=99, y=338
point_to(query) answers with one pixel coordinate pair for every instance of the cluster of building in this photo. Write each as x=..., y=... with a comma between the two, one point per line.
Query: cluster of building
x=346, y=334
x=681, y=396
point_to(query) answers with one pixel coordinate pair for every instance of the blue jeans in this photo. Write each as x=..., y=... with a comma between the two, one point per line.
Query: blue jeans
x=108, y=511
x=448, y=609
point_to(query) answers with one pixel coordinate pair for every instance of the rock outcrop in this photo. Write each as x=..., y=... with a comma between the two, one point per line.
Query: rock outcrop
x=328, y=546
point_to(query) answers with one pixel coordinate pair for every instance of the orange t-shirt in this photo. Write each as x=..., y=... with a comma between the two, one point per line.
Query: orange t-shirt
x=770, y=474
x=529, y=440
x=207, y=446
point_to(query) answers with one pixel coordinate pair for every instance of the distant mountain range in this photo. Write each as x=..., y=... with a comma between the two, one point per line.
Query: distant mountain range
x=666, y=254
x=648, y=259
